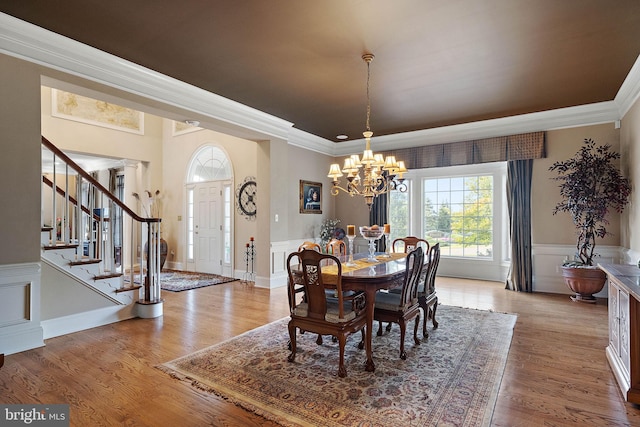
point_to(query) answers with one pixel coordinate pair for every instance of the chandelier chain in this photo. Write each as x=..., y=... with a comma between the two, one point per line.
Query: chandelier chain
x=368, y=128
x=381, y=174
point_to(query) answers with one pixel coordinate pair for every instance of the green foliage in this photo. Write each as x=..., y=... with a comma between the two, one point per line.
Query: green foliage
x=474, y=225
x=327, y=228
x=399, y=214
x=590, y=185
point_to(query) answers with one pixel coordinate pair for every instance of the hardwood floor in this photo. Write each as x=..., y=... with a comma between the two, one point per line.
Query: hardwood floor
x=556, y=375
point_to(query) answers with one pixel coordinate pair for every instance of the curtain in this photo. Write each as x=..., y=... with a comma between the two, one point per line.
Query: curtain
x=499, y=149
x=379, y=214
x=520, y=274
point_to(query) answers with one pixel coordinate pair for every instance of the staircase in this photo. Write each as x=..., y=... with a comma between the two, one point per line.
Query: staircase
x=88, y=271
x=95, y=239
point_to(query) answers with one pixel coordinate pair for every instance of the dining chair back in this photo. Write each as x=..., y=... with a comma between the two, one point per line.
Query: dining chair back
x=427, y=297
x=336, y=247
x=337, y=316
x=310, y=245
x=402, y=307
x=409, y=243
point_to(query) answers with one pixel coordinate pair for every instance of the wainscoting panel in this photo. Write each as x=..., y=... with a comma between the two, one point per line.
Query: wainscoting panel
x=547, y=263
x=20, y=327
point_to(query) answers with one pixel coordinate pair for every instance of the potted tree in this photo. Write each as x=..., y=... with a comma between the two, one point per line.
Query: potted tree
x=590, y=185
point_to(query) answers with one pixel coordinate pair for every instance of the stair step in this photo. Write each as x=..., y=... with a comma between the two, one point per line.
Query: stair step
x=85, y=262
x=107, y=276
x=60, y=246
x=130, y=288
x=46, y=228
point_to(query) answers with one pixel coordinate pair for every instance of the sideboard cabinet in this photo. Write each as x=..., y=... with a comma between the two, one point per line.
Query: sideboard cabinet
x=623, y=351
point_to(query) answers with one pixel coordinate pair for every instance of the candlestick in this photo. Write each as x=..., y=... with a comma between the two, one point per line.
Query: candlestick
x=350, y=237
x=387, y=229
x=351, y=230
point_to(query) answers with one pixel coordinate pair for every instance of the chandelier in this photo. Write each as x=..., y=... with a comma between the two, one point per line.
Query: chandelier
x=381, y=174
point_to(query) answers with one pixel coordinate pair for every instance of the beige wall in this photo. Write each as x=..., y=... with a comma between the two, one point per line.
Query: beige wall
x=178, y=153
x=79, y=137
x=308, y=166
x=561, y=145
x=630, y=149
x=20, y=161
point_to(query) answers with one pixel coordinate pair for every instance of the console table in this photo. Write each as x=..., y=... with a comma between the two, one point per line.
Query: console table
x=623, y=351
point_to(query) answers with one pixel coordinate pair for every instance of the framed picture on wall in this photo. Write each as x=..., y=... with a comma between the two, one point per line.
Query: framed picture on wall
x=310, y=197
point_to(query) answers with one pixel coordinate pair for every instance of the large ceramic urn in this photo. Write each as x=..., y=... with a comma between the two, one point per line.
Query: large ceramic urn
x=584, y=281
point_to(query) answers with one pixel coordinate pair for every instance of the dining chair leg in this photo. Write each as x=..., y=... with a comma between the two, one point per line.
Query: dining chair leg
x=415, y=330
x=361, y=343
x=426, y=311
x=403, y=330
x=342, y=370
x=292, y=342
x=433, y=313
x=379, y=333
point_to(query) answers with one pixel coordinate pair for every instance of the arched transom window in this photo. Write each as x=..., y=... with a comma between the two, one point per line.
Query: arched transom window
x=210, y=164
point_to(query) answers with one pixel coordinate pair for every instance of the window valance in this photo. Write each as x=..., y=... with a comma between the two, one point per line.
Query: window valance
x=499, y=149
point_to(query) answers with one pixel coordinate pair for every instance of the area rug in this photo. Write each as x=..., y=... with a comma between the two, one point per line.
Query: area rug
x=178, y=281
x=451, y=379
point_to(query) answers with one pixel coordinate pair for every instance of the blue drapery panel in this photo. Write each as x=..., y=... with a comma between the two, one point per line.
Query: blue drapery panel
x=499, y=149
x=520, y=276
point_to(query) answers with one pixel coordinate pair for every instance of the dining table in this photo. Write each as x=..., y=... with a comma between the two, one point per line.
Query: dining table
x=386, y=272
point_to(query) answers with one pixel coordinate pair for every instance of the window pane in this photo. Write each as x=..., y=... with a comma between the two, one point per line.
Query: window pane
x=399, y=213
x=457, y=213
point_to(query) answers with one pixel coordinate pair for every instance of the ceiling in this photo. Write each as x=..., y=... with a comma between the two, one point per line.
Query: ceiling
x=437, y=63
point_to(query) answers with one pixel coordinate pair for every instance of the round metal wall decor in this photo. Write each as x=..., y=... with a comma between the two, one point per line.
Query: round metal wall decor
x=246, y=198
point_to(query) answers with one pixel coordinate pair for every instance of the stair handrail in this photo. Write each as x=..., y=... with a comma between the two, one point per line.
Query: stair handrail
x=151, y=281
x=72, y=199
x=95, y=183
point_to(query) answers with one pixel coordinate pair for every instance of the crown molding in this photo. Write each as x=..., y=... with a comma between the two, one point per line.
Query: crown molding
x=311, y=142
x=629, y=90
x=34, y=44
x=583, y=115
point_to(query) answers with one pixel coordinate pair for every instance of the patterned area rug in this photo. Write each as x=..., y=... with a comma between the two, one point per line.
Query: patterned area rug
x=451, y=379
x=177, y=281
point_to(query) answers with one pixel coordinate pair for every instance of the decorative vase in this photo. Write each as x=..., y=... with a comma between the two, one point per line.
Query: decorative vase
x=584, y=282
x=164, y=249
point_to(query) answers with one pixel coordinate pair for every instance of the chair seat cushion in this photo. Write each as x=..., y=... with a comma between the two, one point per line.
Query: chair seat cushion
x=332, y=315
x=389, y=301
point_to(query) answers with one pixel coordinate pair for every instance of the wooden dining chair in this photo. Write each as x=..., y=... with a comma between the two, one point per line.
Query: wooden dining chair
x=427, y=297
x=336, y=247
x=337, y=316
x=402, y=307
x=409, y=243
x=310, y=245
x=298, y=289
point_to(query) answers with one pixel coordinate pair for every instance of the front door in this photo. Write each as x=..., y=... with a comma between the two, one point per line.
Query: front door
x=208, y=227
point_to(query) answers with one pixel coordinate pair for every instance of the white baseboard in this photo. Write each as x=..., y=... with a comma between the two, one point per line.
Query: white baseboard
x=87, y=320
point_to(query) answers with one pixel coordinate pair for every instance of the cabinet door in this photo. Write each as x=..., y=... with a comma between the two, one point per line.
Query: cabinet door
x=614, y=320
x=625, y=344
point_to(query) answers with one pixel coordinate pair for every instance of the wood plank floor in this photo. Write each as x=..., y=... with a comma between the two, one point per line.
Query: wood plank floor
x=556, y=375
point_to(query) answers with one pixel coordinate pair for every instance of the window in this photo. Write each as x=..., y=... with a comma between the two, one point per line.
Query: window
x=458, y=213
x=227, y=223
x=190, y=225
x=210, y=164
x=460, y=207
